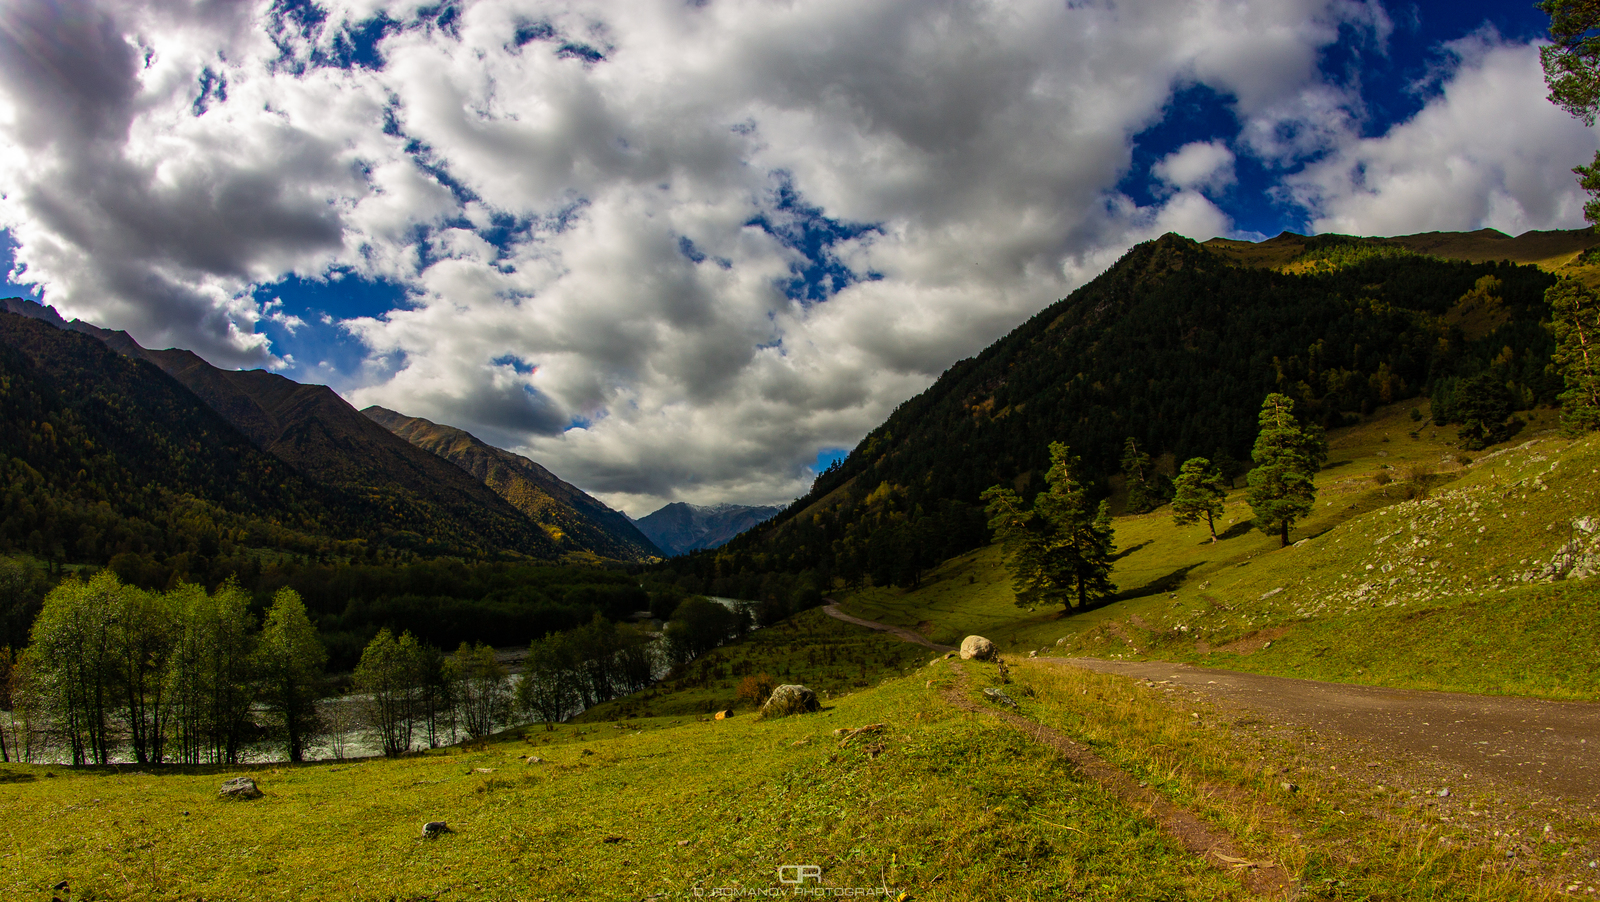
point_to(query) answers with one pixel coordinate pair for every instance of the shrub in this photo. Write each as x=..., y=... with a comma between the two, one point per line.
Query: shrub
x=756, y=689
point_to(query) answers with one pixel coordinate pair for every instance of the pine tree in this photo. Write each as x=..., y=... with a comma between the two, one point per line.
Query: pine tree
x=1575, y=322
x=290, y=659
x=1059, y=551
x=1137, y=474
x=1200, y=491
x=1287, y=459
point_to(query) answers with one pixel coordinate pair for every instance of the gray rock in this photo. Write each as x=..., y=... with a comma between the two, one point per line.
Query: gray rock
x=240, y=788
x=790, y=698
x=435, y=829
x=1033, y=653
x=977, y=648
x=999, y=696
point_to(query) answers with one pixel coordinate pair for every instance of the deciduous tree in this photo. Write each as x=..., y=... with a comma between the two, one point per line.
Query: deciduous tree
x=289, y=661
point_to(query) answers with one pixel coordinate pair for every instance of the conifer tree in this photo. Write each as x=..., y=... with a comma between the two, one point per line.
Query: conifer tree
x=1137, y=472
x=1287, y=458
x=1058, y=551
x=1575, y=322
x=1200, y=491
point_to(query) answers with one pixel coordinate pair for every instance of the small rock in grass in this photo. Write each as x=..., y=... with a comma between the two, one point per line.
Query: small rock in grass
x=240, y=788
x=977, y=648
x=1288, y=787
x=1444, y=793
x=685, y=842
x=613, y=840
x=1033, y=653
x=435, y=829
x=1000, y=696
x=483, y=770
x=535, y=759
x=724, y=714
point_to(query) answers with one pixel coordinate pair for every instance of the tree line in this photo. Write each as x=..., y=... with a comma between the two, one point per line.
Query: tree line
x=113, y=671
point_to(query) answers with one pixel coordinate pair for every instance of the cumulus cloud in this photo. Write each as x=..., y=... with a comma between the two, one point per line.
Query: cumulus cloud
x=670, y=250
x=1486, y=151
x=1200, y=165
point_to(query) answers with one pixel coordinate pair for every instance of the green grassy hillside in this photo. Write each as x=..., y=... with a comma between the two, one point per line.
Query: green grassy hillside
x=1421, y=567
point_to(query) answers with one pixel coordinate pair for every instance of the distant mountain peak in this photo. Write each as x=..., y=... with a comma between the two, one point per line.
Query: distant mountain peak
x=681, y=527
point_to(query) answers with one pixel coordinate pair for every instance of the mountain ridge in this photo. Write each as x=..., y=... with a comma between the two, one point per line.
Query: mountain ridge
x=571, y=517
x=680, y=527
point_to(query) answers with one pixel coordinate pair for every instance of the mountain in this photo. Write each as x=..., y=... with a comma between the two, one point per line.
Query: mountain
x=575, y=521
x=680, y=528
x=405, y=496
x=105, y=455
x=1174, y=346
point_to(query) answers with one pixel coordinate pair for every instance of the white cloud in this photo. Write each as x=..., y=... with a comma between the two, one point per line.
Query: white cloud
x=1205, y=166
x=595, y=230
x=1487, y=151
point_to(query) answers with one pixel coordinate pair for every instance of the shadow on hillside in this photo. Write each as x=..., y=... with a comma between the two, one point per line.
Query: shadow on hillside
x=1336, y=464
x=1236, y=530
x=1167, y=583
x=1129, y=550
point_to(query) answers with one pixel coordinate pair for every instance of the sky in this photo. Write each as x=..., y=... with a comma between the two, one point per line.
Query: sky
x=694, y=250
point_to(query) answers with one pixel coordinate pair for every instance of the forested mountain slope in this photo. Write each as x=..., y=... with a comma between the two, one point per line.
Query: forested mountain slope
x=1174, y=346
x=575, y=521
x=104, y=454
x=370, y=483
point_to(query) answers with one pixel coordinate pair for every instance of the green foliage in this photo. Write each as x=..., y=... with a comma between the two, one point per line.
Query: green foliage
x=548, y=687
x=1059, y=551
x=1572, y=60
x=1199, y=491
x=1287, y=457
x=696, y=627
x=1484, y=406
x=391, y=674
x=289, y=663
x=1575, y=323
x=1329, y=253
x=211, y=672
x=1140, y=477
x=481, y=695
x=1572, y=71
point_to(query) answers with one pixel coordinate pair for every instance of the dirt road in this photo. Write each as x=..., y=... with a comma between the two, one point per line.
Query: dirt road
x=1550, y=746
x=832, y=610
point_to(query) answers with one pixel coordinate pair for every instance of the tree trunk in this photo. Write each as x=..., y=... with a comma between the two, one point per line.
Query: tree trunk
x=1285, y=534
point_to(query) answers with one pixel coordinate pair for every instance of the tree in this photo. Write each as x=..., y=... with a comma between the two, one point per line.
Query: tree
x=1140, y=477
x=1572, y=72
x=1483, y=404
x=145, y=627
x=1058, y=551
x=481, y=694
x=1287, y=458
x=390, y=674
x=289, y=661
x=72, y=660
x=211, y=672
x=1575, y=322
x=546, y=689
x=1200, y=491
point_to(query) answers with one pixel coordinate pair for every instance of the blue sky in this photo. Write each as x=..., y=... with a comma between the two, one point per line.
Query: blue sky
x=695, y=251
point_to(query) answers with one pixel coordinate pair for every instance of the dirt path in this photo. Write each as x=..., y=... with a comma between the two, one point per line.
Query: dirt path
x=1550, y=746
x=1263, y=878
x=832, y=610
